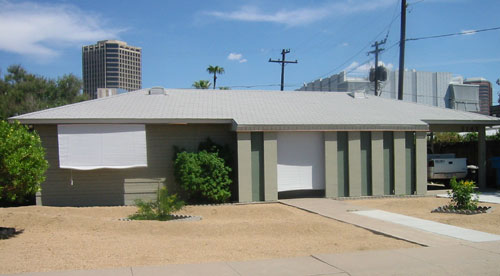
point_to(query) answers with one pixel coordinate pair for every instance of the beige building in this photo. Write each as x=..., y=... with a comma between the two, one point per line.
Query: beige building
x=111, y=64
x=112, y=150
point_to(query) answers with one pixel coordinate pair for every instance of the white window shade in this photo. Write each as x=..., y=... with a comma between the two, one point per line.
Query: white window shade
x=92, y=146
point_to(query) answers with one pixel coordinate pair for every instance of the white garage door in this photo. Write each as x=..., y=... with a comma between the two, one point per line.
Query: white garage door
x=301, y=161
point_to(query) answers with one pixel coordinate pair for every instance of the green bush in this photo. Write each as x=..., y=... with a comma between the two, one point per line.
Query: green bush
x=203, y=175
x=224, y=151
x=22, y=163
x=161, y=209
x=462, y=195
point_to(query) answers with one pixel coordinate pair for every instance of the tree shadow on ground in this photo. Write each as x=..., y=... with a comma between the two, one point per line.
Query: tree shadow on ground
x=9, y=232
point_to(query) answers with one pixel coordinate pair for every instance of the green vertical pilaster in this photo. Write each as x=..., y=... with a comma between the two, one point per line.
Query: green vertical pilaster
x=343, y=164
x=421, y=162
x=331, y=166
x=399, y=163
x=257, y=146
x=388, y=163
x=270, y=166
x=354, y=159
x=410, y=162
x=377, y=156
x=244, y=167
x=366, y=165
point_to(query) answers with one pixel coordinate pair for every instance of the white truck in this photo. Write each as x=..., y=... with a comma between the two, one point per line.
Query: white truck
x=445, y=167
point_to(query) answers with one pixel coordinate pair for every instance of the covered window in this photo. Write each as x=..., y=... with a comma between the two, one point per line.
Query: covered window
x=97, y=146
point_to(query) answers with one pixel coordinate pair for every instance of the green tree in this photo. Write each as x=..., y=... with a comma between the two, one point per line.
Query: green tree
x=22, y=162
x=201, y=84
x=215, y=70
x=22, y=92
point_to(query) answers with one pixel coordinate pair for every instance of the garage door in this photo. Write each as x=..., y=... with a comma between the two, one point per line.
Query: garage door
x=301, y=161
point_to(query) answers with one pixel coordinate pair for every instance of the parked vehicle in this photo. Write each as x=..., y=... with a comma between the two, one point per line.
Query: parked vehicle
x=445, y=167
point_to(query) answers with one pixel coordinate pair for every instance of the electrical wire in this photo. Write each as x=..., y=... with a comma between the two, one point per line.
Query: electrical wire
x=453, y=34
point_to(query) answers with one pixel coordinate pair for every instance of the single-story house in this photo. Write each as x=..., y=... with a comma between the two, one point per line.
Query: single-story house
x=111, y=150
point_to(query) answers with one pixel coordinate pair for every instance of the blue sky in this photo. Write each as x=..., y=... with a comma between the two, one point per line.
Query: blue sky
x=181, y=38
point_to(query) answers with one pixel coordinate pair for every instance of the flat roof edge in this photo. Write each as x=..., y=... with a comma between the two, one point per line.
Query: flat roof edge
x=248, y=128
x=121, y=121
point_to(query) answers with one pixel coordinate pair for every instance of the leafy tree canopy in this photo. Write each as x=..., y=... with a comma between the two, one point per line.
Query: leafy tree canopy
x=22, y=163
x=22, y=92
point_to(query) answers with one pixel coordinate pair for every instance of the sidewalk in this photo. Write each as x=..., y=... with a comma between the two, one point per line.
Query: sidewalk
x=482, y=259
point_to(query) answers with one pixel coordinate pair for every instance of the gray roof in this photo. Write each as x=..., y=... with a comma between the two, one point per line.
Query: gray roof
x=257, y=110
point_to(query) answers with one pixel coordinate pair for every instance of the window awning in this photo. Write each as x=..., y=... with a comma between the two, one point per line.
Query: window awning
x=98, y=146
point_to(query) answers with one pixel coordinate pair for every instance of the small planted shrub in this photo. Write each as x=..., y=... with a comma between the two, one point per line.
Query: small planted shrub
x=22, y=163
x=161, y=209
x=462, y=195
x=203, y=175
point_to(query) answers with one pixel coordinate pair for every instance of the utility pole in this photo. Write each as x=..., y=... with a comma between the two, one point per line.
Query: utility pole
x=283, y=61
x=376, y=51
x=402, y=50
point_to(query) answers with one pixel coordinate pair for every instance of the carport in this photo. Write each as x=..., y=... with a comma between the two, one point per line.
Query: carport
x=467, y=126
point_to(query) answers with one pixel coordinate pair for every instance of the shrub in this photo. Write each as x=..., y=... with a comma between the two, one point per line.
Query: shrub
x=22, y=162
x=203, y=175
x=161, y=209
x=461, y=195
x=224, y=151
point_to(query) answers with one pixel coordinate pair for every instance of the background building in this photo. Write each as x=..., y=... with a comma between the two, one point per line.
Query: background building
x=485, y=93
x=439, y=89
x=111, y=64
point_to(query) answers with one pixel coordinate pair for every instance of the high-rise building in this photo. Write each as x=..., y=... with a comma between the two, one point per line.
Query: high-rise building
x=111, y=64
x=485, y=91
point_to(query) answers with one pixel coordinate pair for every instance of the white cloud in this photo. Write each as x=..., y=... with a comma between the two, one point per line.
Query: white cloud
x=43, y=30
x=237, y=57
x=234, y=56
x=300, y=16
x=344, y=44
x=356, y=69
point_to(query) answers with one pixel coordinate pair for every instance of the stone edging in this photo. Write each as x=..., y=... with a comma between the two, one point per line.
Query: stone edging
x=175, y=218
x=447, y=210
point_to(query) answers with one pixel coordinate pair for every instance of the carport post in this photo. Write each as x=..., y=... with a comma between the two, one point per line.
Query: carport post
x=481, y=157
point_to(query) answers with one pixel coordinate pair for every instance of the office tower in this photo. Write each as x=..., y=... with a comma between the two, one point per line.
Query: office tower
x=111, y=64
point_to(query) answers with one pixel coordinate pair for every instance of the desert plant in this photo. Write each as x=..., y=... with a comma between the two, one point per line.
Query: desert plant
x=22, y=162
x=160, y=209
x=203, y=175
x=462, y=195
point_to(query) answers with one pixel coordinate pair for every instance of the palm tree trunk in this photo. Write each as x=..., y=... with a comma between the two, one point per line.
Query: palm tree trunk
x=215, y=78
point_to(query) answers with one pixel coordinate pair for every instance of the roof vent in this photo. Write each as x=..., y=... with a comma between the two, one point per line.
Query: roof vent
x=157, y=90
x=360, y=94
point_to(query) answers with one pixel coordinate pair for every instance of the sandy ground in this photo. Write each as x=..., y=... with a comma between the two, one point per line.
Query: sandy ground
x=56, y=238
x=422, y=207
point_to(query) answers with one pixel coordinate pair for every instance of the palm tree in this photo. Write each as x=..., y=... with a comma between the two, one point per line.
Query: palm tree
x=201, y=84
x=215, y=70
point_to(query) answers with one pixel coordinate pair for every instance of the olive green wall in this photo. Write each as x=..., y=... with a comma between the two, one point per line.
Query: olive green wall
x=107, y=186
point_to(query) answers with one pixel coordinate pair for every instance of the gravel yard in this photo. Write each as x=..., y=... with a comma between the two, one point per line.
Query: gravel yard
x=61, y=238
x=421, y=207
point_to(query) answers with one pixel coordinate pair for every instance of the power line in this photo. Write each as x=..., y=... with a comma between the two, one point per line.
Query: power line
x=364, y=48
x=454, y=34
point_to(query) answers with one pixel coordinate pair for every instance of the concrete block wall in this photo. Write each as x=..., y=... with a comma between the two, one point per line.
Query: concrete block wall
x=108, y=187
x=361, y=171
